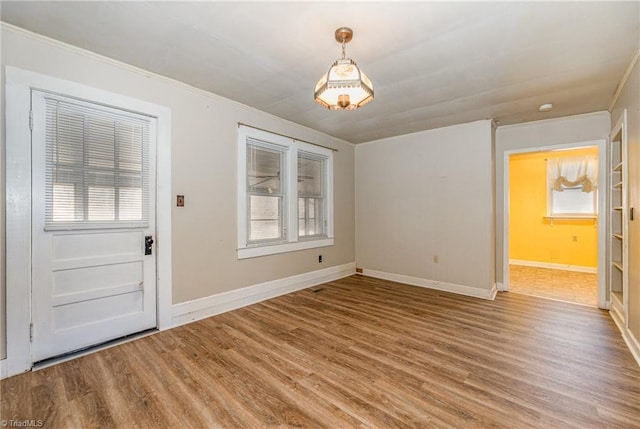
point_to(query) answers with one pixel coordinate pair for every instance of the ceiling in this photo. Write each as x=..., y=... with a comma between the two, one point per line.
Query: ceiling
x=433, y=64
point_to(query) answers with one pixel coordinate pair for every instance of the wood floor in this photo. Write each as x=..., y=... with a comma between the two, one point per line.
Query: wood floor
x=358, y=352
x=570, y=286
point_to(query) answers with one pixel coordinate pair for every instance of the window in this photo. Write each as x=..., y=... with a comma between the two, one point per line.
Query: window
x=572, y=188
x=97, y=166
x=265, y=192
x=311, y=192
x=284, y=194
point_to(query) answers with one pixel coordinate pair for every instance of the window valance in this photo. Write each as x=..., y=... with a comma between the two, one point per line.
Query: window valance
x=564, y=173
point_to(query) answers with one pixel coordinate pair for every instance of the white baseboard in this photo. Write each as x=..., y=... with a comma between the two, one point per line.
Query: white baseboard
x=434, y=284
x=633, y=344
x=4, y=371
x=494, y=291
x=553, y=266
x=630, y=340
x=500, y=287
x=190, y=311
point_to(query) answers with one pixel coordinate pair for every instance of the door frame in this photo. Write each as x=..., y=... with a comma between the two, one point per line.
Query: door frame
x=19, y=84
x=603, y=195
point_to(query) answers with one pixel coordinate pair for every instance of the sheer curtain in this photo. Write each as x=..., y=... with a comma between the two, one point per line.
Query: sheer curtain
x=563, y=173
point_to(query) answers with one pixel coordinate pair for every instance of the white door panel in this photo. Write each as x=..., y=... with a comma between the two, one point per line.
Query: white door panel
x=92, y=283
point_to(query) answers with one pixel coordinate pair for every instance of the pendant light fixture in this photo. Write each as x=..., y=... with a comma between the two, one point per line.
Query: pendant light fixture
x=344, y=86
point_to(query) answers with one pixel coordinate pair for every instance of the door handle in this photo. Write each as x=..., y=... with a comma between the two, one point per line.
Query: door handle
x=148, y=243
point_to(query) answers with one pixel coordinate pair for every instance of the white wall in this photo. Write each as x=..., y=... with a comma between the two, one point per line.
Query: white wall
x=204, y=130
x=531, y=135
x=425, y=194
x=630, y=99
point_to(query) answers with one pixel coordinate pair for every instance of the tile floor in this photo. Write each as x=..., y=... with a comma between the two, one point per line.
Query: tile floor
x=571, y=286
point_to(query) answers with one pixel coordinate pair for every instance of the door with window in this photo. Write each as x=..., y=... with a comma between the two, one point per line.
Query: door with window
x=93, y=224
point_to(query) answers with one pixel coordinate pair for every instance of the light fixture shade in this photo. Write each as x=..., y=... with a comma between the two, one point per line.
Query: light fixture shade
x=344, y=87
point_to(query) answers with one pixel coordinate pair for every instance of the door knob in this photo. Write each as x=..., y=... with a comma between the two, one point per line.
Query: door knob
x=148, y=243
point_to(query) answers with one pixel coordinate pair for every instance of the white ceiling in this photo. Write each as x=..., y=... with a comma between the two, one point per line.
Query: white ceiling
x=432, y=64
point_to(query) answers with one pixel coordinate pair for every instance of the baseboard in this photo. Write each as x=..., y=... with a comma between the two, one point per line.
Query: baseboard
x=434, y=284
x=4, y=371
x=190, y=311
x=494, y=291
x=500, y=287
x=633, y=344
x=630, y=340
x=552, y=266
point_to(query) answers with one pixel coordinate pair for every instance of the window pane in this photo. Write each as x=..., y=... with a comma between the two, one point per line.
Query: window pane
x=101, y=203
x=130, y=197
x=310, y=175
x=130, y=207
x=573, y=201
x=316, y=226
x=265, y=218
x=310, y=216
x=99, y=142
x=302, y=221
x=67, y=138
x=66, y=195
x=129, y=138
x=64, y=202
x=264, y=167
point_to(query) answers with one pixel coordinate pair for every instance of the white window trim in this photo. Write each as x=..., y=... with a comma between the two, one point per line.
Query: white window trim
x=290, y=212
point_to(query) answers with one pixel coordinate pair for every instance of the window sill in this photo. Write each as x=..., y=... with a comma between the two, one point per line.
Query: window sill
x=254, y=252
x=571, y=217
x=553, y=218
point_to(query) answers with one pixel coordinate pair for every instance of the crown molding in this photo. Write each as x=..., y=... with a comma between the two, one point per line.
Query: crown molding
x=625, y=77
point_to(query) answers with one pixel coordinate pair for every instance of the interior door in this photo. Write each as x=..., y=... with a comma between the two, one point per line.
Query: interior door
x=93, y=224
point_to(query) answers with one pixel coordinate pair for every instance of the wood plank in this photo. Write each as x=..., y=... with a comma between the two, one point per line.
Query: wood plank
x=357, y=352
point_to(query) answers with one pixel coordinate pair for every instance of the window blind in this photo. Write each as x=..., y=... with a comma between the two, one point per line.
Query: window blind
x=97, y=172
x=265, y=191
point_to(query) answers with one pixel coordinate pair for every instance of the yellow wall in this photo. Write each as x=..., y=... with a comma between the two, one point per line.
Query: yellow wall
x=531, y=236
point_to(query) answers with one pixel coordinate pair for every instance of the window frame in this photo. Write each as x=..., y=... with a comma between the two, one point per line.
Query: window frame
x=282, y=194
x=292, y=241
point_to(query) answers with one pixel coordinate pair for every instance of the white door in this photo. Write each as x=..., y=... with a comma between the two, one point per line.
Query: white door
x=93, y=171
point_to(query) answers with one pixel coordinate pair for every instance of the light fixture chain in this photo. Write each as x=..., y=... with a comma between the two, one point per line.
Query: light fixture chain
x=343, y=55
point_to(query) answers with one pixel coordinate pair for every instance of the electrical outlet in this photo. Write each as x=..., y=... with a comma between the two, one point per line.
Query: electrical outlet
x=574, y=238
x=180, y=201
x=435, y=259
x=319, y=259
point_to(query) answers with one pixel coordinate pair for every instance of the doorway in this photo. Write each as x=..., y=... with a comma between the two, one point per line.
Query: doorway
x=73, y=202
x=554, y=243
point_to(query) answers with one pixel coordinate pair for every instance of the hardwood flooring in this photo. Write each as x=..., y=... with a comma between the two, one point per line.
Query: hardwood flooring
x=570, y=286
x=358, y=352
